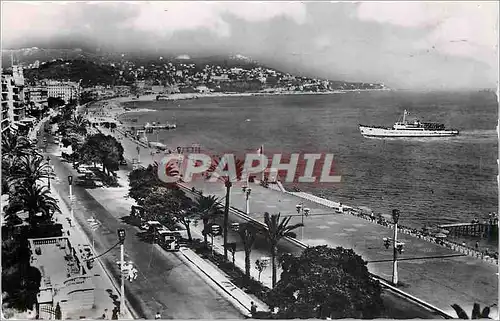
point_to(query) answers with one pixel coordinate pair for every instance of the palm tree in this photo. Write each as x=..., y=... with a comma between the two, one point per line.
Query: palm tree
x=29, y=169
x=36, y=199
x=476, y=312
x=14, y=146
x=276, y=230
x=208, y=209
x=228, y=184
x=247, y=233
x=79, y=125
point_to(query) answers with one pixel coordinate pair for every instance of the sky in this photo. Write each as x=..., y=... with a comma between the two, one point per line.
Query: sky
x=407, y=45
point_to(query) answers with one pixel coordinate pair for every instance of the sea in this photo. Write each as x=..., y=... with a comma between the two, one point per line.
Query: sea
x=431, y=181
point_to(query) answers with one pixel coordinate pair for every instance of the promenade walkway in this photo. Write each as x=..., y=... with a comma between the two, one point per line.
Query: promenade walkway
x=165, y=282
x=106, y=292
x=438, y=281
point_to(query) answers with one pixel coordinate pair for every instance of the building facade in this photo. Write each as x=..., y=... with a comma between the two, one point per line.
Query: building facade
x=65, y=90
x=13, y=107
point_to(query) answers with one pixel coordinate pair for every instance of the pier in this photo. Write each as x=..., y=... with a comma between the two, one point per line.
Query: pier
x=485, y=230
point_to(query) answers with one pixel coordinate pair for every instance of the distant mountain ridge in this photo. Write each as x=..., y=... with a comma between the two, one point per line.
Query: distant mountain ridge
x=107, y=65
x=27, y=56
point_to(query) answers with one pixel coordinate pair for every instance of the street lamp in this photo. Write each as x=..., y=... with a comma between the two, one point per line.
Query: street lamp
x=303, y=212
x=397, y=246
x=70, y=182
x=48, y=176
x=215, y=230
x=247, y=191
x=121, y=237
x=228, y=186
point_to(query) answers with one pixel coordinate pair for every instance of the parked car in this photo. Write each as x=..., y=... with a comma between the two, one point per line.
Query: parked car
x=123, y=162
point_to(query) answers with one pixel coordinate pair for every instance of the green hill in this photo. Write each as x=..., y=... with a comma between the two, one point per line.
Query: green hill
x=90, y=73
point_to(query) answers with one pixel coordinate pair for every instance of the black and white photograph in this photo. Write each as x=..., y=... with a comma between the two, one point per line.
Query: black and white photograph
x=249, y=160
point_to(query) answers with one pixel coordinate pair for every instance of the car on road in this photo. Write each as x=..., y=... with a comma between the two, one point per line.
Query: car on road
x=123, y=162
x=88, y=183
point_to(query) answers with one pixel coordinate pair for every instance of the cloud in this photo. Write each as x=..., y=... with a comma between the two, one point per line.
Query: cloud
x=467, y=29
x=167, y=17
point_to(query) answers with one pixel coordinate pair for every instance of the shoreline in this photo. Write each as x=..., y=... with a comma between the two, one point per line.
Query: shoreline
x=117, y=108
x=186, y=96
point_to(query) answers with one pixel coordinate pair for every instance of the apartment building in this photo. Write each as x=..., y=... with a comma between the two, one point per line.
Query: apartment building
x=65, y=90
x=36, y=94
x=13, y=109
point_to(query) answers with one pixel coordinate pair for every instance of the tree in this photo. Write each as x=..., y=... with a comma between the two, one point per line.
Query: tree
x=14, y=146
x=141, y=181
x=208, y=209
x=181, y=208
x=248, y=234
x=216, y=168
x=276, y=230
x=476, y=312
x=29, y=169
x=324, y=282
x=20, y=281
x=103, y=148
x=79, y=124
x=36, y=199
x=58, y=313
x=54, y=102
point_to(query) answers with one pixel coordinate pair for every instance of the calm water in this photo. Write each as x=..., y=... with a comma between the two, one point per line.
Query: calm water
x=432, y=181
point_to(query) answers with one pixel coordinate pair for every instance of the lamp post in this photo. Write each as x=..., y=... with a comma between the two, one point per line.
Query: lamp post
x=215, y=229
x=48, y=176
x=70, y=181
x=121, y=237
x=247, y=191
x=397, y=246
x=228, y=185
x=303, y=212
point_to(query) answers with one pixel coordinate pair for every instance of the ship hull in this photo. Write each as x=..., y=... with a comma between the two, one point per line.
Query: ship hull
x=368, y=131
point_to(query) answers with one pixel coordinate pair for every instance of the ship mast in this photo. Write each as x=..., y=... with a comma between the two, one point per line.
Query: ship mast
x=404, y=117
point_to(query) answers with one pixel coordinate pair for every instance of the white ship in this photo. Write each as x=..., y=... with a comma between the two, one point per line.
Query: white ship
x=408, y=129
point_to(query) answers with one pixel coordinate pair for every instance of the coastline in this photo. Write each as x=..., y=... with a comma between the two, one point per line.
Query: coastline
x=187, y=138
x=116, y=106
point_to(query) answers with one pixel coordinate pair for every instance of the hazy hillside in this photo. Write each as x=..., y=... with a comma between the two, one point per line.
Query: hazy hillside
x=28, y=56
x=74, y=70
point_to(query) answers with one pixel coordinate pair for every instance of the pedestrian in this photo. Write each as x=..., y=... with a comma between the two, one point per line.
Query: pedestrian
x=477, y=245
x=157, y=316
x=253, y=308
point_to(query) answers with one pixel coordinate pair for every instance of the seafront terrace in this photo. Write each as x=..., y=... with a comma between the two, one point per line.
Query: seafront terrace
x=441, y=280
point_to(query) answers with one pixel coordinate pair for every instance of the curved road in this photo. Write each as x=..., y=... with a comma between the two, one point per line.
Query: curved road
x=164, y=283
